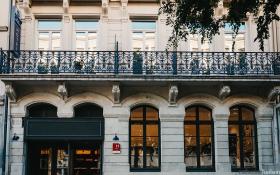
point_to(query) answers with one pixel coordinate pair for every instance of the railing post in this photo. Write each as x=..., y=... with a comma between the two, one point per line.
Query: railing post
x=116, y=62
x=174, y=62
x=1, y=61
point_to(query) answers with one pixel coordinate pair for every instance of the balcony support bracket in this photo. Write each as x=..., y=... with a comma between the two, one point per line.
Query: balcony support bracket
x=10, y=92
x=116, y=93
x=274, y=94
x=224, y=92
x=173, y=94
x=62, y=90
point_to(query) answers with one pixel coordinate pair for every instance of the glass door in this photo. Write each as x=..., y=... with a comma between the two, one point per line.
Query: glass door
x=86, y=159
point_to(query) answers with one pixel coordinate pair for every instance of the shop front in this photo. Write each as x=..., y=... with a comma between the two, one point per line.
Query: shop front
x=64, y=146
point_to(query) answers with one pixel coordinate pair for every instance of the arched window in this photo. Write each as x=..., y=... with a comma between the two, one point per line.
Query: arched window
x=199, y=139
x=42, y=110
x=242, y=129
x=144, y=127
x=88, y=110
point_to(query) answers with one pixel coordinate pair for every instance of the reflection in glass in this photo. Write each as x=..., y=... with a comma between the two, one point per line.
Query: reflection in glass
x=239, y=39
x=43, y=41
x=86, y=25
x=56, y=41
x=196, y=45
x=49, y=24
x=143, y=36
x=190, y=151
x=190, y=114
x=45, y=161
x=62, y=162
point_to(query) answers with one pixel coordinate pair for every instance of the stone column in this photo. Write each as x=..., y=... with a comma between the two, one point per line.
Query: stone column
x=172, y=143
x=28, y=27
x=115, y=164
x=16, y=158
x=221, y=141
x=265, y=142
x=66, y=34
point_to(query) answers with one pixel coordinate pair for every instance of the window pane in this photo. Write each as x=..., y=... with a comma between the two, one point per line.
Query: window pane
x=205, y=146
x=86, y=25
x=45, y=160
x=137, y=41
x=247, y=114
x=248, y=130
x=205, y=130
x=194, y=43
x=92, y=37
x=205, y=161
x=152, y=157
x=234, y=114
x=49, y=24
x=190, y=114
x=136, y=157
x=249, y=151
x=234, y=145
x=190, y=130
x=62, y=161
x=56, y=41
x=136, y=130
x=190, y=152
x=151, y=114
x=43, y=41
x=81, y=41
x=150, y=40
x=137, y=114
x=143, y=25
x=152, y=130
x=204, y=114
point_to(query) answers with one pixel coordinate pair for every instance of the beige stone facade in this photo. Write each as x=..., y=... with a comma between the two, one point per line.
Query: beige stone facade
x=118, y=95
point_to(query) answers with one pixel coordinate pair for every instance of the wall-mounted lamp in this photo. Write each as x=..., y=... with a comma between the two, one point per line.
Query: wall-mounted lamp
x=116, y=138
x=15, y=137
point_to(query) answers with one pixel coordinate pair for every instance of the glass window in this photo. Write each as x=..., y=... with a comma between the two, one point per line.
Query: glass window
x=86, y=35
x=49, y=34
x=143, y=35
x=242, y=139
x=196, y=45
x=198, y=131
x=239, y=40
x=144, y=139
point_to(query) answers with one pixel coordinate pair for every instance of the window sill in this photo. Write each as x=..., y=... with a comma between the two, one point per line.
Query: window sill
x=144, y=169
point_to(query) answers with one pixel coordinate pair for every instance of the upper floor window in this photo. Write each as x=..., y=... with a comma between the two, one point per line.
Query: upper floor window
x=86, y=35
x=49, y=34
x=242, y=130
x=196, y=45
x=199, y=139
x=239, y=39
x=144, y=139
x=143, y=35
x=42, y=110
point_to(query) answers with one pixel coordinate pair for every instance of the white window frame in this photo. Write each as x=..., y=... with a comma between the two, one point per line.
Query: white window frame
x=239, y=32
x=49, y=31
x=199, y=49
x=85, y=31
x=144, y=31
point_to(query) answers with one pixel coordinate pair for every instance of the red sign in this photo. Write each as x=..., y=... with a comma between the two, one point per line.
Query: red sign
x=116, y=148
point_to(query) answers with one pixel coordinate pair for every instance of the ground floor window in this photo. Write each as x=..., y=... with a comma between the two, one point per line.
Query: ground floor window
x=81, y=158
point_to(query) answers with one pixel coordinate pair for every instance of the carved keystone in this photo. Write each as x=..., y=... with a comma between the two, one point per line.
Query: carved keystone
x=10, y=91
x=62, y=90
x=116, y=93
x=224, y=92
x=173, y=93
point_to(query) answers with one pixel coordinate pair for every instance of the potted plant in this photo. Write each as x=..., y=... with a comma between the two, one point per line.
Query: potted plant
x=42, y=67
x=137, y=64
x=78, y=65
x=242, y=64
x=54, y=67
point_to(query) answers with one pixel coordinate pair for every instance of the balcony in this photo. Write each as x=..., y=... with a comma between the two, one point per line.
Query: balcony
x=156, y=64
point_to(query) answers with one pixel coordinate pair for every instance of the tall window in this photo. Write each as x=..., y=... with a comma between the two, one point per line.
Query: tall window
x=242, y=138
x=196, y=45
x=144, y=139
x=49, y=34
x=239, y=40
x=199, y=139
x=143, y=35
x=86, y=35
x=42, y=110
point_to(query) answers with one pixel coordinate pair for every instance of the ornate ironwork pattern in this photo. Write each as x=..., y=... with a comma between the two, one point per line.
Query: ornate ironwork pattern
x=140, y=62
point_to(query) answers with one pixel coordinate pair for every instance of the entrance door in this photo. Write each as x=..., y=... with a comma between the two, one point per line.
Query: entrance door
x=86, y=159
x=64, y=159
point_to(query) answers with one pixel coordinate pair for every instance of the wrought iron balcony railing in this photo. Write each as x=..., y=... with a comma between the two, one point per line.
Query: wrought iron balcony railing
x=142, y=63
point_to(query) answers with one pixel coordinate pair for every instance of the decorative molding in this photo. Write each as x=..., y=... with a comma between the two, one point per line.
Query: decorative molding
x=274, y=94
x=65, y=5
x=10, y=91
x=173, y=93
x=224, y=92
x=62, y=90
x=105, y=6
x=26, y=5
x=66, y=18
x=116, y=93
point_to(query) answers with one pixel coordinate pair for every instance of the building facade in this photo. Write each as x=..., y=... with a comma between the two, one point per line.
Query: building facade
x=93, y=90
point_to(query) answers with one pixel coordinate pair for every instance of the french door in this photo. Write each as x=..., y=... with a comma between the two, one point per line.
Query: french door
x=81, y=158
